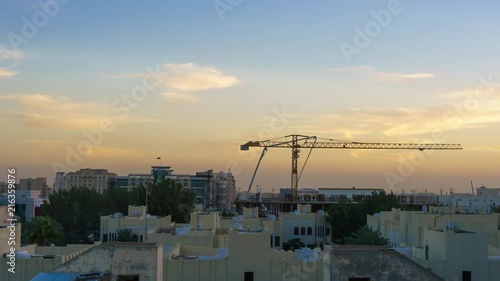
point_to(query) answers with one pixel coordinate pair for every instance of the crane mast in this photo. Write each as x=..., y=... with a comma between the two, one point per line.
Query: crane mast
x=296, y=142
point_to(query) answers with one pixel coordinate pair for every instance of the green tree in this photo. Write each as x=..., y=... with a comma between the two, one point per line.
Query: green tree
x=366, y=236
x=167, y=198
x=293, y=244
x=114, y=199
x=78, y=210
x=125, y=235
x=346, y=217
x=45, y=231
x=380, y=201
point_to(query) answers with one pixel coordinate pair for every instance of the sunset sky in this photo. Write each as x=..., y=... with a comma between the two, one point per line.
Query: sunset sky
x=120, y=83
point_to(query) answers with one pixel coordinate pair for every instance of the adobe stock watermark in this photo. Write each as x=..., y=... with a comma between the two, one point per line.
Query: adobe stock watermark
x=121, y=107
x=364, y=36
x=454, y=117
x=223, y=6
x=279, y=121
x=11, y=211
x=31, y=26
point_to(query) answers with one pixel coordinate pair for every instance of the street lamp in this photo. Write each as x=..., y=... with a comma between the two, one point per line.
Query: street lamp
x=146, y=227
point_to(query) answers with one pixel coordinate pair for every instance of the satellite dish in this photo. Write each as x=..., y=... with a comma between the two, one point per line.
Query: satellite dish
x=425, y=208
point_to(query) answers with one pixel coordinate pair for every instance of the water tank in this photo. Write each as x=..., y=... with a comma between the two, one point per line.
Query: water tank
x=117, y=215
x=306, y=254
x=425, y=209
x=271, y=217
x=451, y=225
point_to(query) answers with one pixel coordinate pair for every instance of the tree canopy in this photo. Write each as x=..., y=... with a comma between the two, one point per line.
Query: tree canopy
x=347, y=217
x=293, y=244
x=366, y=236
x=125, y=235
x=78, y=209
x=44, y=231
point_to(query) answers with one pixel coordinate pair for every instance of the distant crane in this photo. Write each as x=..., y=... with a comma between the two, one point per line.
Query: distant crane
x=296, y=142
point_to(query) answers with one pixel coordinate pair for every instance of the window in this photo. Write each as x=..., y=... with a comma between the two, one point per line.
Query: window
x=359, y=279
x=104, y=238
x=248, y=276
x=128, y=278
x=302, y=231
x=327, y=231
x=466, y=276
x=276, y=241
x=309, y=231
x=426, y=252
x=296, y=231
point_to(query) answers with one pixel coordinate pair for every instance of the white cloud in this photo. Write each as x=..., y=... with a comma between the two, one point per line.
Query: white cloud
x=179, y=98
x=45, y=111
x=190, y=77
x=455, y=111
x=7, y=73
x=382, y=75
x=13, y=58
x=10, y=54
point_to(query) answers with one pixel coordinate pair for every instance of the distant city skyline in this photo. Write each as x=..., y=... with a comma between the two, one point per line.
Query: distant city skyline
x=114, y=86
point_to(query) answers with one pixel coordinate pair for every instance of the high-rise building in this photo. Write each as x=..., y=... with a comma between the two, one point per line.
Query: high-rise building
x=39, y=183
x=224, y=191
x=99, y=179
x=59, y=181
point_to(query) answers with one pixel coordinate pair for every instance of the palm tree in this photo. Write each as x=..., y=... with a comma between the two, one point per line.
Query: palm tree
x=366, y=236
x=125, y=235
x=45, y=231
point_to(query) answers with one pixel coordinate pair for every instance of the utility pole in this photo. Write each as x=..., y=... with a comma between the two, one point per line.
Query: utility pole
x=146, y=227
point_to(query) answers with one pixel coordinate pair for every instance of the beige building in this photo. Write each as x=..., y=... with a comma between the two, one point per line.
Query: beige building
x=311, y=228
x=99, y=179
x=453, y=245
x=135, y=221
x=32, y=259
x=39, y=183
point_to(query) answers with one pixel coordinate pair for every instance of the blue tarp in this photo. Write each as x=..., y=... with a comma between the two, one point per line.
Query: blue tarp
x=53, y=276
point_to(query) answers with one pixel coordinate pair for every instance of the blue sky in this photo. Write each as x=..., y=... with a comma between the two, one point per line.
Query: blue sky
x=262, y=56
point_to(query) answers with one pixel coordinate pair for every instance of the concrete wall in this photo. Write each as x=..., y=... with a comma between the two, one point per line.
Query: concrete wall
x=146, y=260
x=27, y=268
x=377, y=263
x=450, y=253
x=249, y=252
x=5, y=234
x=220, y=270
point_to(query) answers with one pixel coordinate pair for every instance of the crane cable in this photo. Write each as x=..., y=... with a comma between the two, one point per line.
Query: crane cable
x=309, y=154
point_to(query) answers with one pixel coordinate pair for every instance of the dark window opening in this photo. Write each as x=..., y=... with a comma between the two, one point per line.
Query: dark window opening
x=296, y=231
x=427, y=252
x=309, y=231
x=104, y=238
x=128, y=278
x=248, y=276
x=276, y=241
x=360, y=279
x=466, y=275
x=327, y=231
x=302, y=231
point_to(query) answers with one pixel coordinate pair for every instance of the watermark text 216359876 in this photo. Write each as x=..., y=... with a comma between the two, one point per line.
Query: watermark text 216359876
x=11, y=241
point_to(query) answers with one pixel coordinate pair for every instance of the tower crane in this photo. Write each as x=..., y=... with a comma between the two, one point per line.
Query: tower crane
x=296, y=142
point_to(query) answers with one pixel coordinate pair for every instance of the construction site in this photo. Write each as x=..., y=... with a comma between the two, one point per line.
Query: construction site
x=321, y=199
